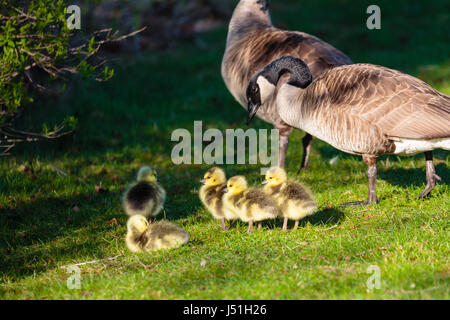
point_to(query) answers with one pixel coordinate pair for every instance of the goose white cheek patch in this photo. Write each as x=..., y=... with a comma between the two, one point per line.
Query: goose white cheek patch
x=265, y=87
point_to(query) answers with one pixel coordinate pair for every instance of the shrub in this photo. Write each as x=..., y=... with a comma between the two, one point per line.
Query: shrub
x=38, y=49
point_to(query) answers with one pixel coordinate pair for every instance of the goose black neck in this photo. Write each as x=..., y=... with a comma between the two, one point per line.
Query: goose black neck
x=300, y=75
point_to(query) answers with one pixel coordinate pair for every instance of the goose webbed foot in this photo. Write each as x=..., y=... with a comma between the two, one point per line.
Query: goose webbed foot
x=432, y=177
x=307, y=141
x=354, y=203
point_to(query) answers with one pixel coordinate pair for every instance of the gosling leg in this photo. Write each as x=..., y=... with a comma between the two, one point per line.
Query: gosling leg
x=431, y=175
x=259, y=225
x=307, y=141
x=285, y=222
x=224, y=227
x=250, y=226
x=295, y=224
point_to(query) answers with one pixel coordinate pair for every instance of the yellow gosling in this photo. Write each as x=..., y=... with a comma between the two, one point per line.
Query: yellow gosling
x=142, y=236
x=249, y=204
x=212, y=192
x=294, y=200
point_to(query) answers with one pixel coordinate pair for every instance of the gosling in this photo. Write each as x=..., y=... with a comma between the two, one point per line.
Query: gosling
x=212, y=192
x=294, y=200
x=249, y=204
x=142, y=236
x=146, y=196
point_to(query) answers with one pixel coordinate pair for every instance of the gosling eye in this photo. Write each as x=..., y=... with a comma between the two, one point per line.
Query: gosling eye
x=230, y=185
x=209, y=177
x=270, y=178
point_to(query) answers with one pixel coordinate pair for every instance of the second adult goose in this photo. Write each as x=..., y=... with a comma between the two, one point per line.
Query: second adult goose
x=360, y=109
x=253, y=42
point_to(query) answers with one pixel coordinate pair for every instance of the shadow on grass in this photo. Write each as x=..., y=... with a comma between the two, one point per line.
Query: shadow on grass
x=408, y=177
x=324, y=217
x=327, y=216
x=397, y=176
x=31, y=231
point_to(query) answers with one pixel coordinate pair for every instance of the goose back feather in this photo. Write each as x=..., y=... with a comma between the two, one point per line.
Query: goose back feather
x=365, y=109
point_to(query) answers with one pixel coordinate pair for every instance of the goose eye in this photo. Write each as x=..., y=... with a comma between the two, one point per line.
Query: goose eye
x=231, y=185
x=209, y=177
x=270, y=177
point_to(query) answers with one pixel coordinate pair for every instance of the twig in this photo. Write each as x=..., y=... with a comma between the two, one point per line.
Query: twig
x=58, y=170
x=93, y=261
x=332, y=227
x=144, y=265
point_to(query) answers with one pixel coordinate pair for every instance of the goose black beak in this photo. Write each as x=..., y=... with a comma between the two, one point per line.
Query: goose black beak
x=252, y=109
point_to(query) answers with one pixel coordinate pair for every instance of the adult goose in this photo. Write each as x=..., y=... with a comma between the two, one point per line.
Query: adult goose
x=252, y=43
x=360, y=109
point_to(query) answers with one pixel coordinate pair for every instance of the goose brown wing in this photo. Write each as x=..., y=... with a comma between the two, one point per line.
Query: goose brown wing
x=254, y=51
x=264, y=47
x=400, y=105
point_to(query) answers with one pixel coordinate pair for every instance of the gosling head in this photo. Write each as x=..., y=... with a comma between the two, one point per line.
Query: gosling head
x=213, y=177
x=275, y=176
x=147, y=174
x=236, y=185
x=137, y=224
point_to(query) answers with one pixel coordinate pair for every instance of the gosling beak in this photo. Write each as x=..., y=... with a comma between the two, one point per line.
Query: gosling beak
x=265, y=182
x=202, y=181
x=252, y=109
x=225, y=189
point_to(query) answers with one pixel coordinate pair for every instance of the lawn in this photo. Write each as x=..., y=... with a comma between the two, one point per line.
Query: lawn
x=60, y=201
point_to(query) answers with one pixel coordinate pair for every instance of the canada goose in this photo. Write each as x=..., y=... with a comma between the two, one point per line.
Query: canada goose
x=294, y=200
x=161, y=235
x=252, y=43
x=212, y=192
x=360, y=109
x=146, y=196
x=250, y=204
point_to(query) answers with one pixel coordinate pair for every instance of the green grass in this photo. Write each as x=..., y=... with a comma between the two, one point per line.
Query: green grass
x=48, y=220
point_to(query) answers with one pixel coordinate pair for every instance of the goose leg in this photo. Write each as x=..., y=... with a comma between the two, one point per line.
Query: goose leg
x=431, y=175
x=285, y=222
x=259, y=225
x=371, y=162
x=296, y=224
x=282, y=149
x=307, y=141
x=224, y=227
x=250, y=226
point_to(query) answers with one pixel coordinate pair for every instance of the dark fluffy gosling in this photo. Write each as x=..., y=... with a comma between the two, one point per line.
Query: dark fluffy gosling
x=146, y=196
